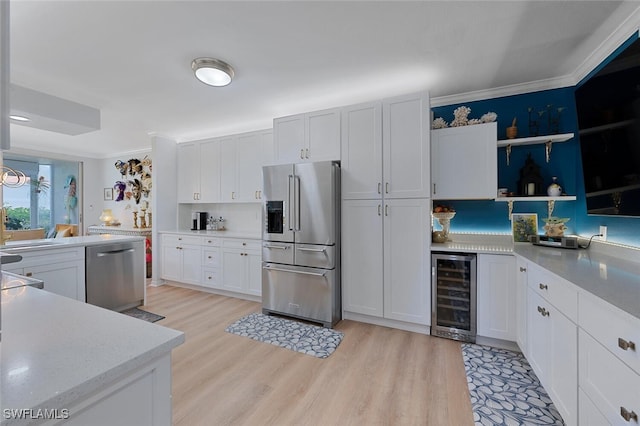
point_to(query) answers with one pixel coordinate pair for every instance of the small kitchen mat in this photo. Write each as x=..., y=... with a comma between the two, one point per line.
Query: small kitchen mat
x=504, y=389
x=294, y=335
x=143, y=315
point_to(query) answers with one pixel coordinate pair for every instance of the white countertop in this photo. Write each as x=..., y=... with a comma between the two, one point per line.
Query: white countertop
x=221, y=234
x=89, y=240
x=55, y=350
x=609, y=276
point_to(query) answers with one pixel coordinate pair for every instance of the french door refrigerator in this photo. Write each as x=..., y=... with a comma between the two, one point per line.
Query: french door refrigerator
x=301, y=241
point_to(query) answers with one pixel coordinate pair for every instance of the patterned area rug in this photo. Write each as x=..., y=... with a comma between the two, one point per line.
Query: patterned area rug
x=505, y=390
x=143, y=315
x=296, y=336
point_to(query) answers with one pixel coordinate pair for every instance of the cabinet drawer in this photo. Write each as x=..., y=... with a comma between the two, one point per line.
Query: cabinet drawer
x=211, y=242
x=608, y=382
x=555, y=290
x=242, y=244
x=179, y=239
x=607, y=324
x=589, y=415
x=211, y=258
x=211, y=278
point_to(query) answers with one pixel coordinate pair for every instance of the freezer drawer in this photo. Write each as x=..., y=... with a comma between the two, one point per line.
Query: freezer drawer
x=315, y=256
x=306, y=293
x=277, y=252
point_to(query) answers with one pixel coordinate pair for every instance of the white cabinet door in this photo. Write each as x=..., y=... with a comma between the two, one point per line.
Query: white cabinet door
x=209, y=158
x=268, y=148
x=464, y=162
x=405, y=126
x=188, y=172
x=64, y=278
x=496, y=296
x=362, y=279
x=191, y=264
x=322, y=135
x=289, y=139
x=171, y=262
x=249, y=167
x=553, y=354
x=521, y=304
x=233, y=269
x=254, y=272
x=362, y=151
x=228, y=169
x=407, y=285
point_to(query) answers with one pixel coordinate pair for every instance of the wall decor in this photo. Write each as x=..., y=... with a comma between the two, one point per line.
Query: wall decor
x=523, y=225
x=135, y=183
x=108, y=194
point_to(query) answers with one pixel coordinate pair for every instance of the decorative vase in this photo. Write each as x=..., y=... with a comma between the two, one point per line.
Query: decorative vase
x=554, y=190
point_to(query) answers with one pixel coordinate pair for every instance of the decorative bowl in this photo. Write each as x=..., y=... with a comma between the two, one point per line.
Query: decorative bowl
x=438, y=237
x=444, y=215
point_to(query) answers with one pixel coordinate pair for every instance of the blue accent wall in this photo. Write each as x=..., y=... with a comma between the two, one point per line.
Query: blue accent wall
x=565, y=163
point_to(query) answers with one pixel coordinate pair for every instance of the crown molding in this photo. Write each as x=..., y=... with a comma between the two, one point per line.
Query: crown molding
x=499, y=92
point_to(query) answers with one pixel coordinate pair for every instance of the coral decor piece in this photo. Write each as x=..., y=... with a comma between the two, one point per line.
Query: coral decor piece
x=461, y=118
x=460, y=115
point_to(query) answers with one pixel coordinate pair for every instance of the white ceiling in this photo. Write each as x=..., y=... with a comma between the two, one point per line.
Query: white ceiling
x=131, y=59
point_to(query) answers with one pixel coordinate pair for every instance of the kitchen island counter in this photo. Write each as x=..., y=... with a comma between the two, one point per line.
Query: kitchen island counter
x=56, y=352
x=48, y=243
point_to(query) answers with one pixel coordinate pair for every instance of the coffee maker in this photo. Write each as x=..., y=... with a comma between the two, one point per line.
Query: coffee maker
x=199, y=220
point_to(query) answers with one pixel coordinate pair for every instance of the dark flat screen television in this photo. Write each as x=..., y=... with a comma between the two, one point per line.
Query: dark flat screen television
x=608, y=108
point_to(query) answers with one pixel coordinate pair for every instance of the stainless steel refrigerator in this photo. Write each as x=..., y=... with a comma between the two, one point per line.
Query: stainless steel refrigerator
x=301, y=241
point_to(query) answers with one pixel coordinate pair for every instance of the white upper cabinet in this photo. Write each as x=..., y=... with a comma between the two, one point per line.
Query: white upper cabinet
x=405, y=130
x=188, y=172
x=313, y=136
x=385, y=149
x=362, y=151
x=209, y=165
x=464, y=162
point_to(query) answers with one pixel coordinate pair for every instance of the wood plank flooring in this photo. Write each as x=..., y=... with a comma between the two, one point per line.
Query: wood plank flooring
x=377, y=376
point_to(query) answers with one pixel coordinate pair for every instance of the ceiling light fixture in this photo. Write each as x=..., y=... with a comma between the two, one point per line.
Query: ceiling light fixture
x=19, y=118
x=213, y=72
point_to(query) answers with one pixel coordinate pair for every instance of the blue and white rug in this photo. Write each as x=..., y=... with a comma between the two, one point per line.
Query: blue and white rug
x=294, y=335
x=504, y=389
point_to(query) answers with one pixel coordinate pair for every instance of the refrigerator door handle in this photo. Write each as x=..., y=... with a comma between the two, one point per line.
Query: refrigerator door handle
x=290, y=201
x=315, y=274
x=275, y=247
x=322, y=250
x=296, y=197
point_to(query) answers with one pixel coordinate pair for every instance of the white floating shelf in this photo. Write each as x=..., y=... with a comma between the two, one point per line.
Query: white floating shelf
x=534, y=140
x=537, y=198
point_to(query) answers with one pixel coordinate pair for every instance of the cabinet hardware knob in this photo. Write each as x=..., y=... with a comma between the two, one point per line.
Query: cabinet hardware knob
x=386, y=188
x=386, y=209
x=544, y=287
x=179, y=238
x=628, y=415
x=625, y=345
x=307, y=153
x=209, y=241
x=209, y=278
x=434, y=189
x=379, y=213
x=29, y=274
x=233, y=195
x=302, y=154
x=379, y=187
x=523, y=269
x=209, y=257
x=543, y=311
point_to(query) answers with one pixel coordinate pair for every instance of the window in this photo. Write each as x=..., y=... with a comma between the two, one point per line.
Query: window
x=47, y=197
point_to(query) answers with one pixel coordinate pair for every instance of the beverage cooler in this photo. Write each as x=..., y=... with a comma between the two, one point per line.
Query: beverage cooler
x=453, y=296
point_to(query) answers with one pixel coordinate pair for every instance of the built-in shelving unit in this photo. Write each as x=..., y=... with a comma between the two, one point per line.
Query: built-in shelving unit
x=548, y=141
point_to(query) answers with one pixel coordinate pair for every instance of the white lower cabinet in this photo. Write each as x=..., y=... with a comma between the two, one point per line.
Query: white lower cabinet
x=230, y=264
x=61, y=269
x=496, y=296
x=181, y=258
x=385, y=259
x=242, y=266
x=609, y=361
x=589, y=413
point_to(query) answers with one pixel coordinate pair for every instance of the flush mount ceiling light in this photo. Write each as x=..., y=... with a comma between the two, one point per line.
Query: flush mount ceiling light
x=213, y=72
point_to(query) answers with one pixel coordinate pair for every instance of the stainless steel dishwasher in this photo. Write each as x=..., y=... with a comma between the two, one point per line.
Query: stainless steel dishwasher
x=115, y=275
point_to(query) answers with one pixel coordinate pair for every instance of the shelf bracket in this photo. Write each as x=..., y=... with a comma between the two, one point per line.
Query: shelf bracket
x=550, y=206
x=510, y=205
x=508, y=149
x=547, y=149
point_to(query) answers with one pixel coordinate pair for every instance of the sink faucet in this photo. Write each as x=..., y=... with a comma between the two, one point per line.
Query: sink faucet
x=4, y=235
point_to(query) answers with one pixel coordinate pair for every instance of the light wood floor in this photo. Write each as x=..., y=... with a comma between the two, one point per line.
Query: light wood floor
x=377, y=376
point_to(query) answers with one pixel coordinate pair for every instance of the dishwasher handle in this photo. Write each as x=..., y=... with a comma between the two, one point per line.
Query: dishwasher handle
x=114, y=252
